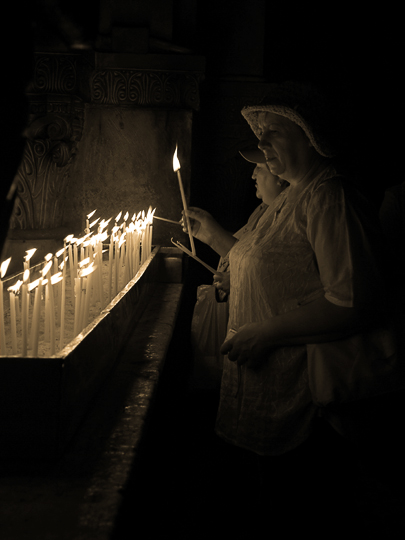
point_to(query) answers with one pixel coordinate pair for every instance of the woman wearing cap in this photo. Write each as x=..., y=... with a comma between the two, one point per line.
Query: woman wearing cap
x=268, y=188
x=306, y=274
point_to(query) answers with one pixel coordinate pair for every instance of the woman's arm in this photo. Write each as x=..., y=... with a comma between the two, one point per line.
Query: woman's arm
x=205, y=228
x=317, y=322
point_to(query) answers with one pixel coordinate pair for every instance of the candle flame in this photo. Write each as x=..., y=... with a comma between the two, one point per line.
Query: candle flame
x=118, y=217
x=48, y=257
x=59, y=253
x=56, y=278
x=4, y=266
x=26, y=275
x=46, y=268
x=86, y=271
x=176, y=162
x=84, y=262
x=69, y=238
x=104, y=224
x=30, y=253
x=91, y=214
x=126, y=216
x=33, y=285
x=16, y=287
x=94, y=222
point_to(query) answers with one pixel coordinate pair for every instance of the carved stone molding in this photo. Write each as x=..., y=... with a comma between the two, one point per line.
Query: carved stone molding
x=55, y=126
x=43, y=174
x=146, y=88
x=54, y=74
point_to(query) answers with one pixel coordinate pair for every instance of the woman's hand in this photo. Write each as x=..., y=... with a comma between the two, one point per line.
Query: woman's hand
x=222, y=281
x=205, y=228
x=202, y=224
x=250, y=345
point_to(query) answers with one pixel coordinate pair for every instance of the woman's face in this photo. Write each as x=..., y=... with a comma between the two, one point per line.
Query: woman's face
x=288, y=151
x=267, y=188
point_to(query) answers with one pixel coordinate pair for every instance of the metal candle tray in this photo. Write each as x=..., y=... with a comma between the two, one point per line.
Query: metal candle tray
x=43, y=400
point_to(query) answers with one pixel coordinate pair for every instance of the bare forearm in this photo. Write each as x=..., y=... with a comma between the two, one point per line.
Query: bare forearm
x=221, y=241
x=317, y=322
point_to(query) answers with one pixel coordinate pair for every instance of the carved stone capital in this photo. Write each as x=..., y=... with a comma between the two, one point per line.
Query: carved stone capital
x=143, y=88
x=55, y=126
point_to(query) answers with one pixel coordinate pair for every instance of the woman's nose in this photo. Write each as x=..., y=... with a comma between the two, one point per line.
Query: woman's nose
x=262, y=144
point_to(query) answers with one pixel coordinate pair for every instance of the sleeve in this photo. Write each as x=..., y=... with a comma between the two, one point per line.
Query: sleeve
x=344, y=235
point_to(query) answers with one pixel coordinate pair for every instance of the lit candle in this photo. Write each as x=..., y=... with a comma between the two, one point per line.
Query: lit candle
x=121, y=251
x=3, y=270
x=62, y=305
x=13, y=290
x=30, y=253
x=176, y=168
x=86, y=274
x=69, y=239
x=24, y=312
x=78, y=287
x=45, y=272
x=110, y=263
x=87, y=230
x=75, y=259
x=117, y=262
x=36, y=318
x=51, y=283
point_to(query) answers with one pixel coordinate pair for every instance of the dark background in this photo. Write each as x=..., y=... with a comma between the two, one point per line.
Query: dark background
x=355, y=55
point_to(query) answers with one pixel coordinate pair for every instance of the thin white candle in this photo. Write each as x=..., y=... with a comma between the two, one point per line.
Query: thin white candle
x=13, y=320
x=24, y=312
x=77, y=283
x=176, y=168
x=3, y=270
x=63, y=306
x=110, y=262
x=36, y=319
x=45, y=273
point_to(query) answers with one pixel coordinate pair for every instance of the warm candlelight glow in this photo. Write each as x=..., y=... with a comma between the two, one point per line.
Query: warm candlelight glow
x=93, y=223
x=56, y=278
x=176, y=168
x=4, y=267
x=46, y=268
x=84, y=262
x=88, y=270
x=176, y=162
x=30, y=253
x=33, y=285
x=129, y=244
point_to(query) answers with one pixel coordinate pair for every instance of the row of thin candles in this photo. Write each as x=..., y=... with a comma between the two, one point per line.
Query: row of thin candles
x=128, y=245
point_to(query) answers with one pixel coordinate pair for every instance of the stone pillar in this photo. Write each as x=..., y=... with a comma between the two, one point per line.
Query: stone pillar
x=102, y=132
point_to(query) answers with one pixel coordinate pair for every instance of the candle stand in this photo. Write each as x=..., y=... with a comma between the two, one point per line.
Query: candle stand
x=44, y=400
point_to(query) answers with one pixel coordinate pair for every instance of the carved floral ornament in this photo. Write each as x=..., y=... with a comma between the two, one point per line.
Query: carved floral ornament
x=146, y=88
